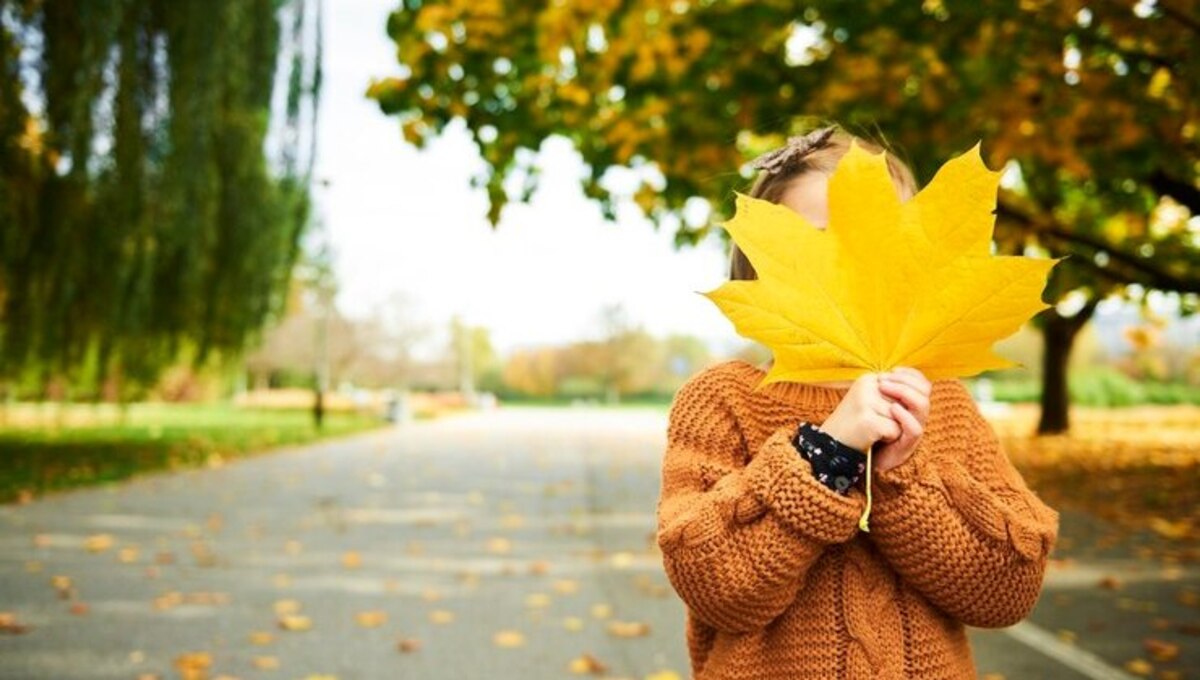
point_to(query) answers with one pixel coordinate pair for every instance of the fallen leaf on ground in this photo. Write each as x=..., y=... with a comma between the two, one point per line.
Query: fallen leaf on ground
x=261, y=638
x=566, y=586
x=1168, y=529
x=284, y=607
x=208, y=598
x=193, y=665
x=628, y=629
x=1188, y=597
x=168, y=600
x=62, y=585
x=1160, y=650
x=98, y=542
x=621, y=560
x=585, y=664
x=537, y=600
x=508, y=638
x=9, y=625
x=371, y=619
x=1139, y=667
x=295, y=622
x=203, y=554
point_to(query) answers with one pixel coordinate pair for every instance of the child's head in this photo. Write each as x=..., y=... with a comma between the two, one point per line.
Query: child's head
x=802, y=184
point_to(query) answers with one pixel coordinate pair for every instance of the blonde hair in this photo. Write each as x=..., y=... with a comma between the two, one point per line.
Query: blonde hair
x=824, y=158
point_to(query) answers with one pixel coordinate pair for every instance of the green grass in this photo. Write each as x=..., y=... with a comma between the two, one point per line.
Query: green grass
x=46, y=448
x=1101, y=387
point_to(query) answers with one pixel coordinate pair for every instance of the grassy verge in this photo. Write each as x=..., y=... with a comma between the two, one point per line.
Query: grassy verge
x=46, y=448
x=1100, y=387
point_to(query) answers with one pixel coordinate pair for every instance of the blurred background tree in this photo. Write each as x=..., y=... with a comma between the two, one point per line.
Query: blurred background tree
x=1090, y=107
x=476, y=364
x=151, y=207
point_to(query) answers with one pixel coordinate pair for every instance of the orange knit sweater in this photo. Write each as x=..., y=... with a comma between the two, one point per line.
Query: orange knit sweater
x=777, y=578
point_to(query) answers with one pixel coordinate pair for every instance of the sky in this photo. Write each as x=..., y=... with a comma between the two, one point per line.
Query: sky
x=405, y=222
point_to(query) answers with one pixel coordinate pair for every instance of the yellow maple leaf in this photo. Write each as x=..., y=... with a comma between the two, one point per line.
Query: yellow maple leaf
x=888, y=283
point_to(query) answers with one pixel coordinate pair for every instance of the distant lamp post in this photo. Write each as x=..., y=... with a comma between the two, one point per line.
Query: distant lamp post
x=323, y=283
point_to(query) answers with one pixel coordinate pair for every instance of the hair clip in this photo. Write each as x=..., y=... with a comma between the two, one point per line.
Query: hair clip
x=791, y=152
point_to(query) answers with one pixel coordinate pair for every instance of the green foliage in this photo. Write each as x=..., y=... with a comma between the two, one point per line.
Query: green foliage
x=140, y=212
x=1017, y=391
x=1104, y=387
x=1101, y=386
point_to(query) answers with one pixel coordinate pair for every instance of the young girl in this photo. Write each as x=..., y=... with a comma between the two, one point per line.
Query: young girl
x=762, y=493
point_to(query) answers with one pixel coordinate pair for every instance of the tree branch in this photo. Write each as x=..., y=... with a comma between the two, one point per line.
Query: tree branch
x=1156, y=277
x=1180, y=17
x=1183, y=192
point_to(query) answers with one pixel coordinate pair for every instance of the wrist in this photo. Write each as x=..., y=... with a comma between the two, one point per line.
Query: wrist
x=834, y=429
x=833, y=463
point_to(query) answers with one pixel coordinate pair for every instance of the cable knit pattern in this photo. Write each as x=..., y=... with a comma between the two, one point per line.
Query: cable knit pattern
x=777, y=578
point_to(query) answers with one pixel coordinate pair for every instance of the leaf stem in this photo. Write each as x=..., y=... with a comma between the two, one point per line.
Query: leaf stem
x=862, y=521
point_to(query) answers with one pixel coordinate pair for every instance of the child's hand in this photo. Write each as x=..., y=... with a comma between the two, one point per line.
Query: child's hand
x=863, y=416
x=911, y=389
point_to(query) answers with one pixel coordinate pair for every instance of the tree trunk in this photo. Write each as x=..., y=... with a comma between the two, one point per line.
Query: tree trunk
x=318, y=411
x=1058, y=335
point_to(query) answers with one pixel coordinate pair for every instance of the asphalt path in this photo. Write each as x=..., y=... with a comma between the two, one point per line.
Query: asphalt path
x=515, y=543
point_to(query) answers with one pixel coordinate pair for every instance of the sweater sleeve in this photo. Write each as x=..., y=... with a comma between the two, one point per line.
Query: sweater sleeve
x=739, y=529
x=958, y=522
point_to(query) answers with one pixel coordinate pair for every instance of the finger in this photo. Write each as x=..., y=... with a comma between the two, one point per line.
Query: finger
x=908, y=376
x=915, y=377
x=881, y=406
x=910, y=370
x=912, y=427
x=912, y=399
x=887, y=429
